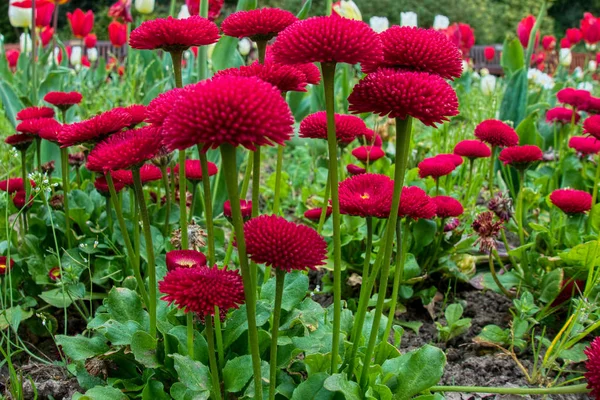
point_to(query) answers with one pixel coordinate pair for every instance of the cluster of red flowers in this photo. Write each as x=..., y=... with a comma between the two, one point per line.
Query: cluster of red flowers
x=16, y=190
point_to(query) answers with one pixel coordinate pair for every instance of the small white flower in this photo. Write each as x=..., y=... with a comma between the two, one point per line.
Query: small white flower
x=347, y=9
x=592, y=65
x=76, y=55
x=184, y=12
x=379, y=24
x=484, y=72
x=488, y=85
x=245, y=46
x=590, y=46
x=441, y=22
x=578, y=72
x=565, y=57
x=408, y=18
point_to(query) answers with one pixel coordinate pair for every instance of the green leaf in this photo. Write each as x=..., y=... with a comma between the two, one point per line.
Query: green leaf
x=513, y=57
x=103, y=393
x=143, y=347
x=125, y=305
x=238, y=323
x=11, y=102
x=226, y=54
x=193, y=374
x=154, y=390
x=424, y=232
x=527, y=131
x=453, y=313
x=551, y=285
x=316, y=363
x=294, y=289
x=13, y=316
x=596, y=218
x=312, y=389
x=246, y=5
x=340, y=383
x=237, y=373
x=79, y=348
x=493, y=334
x=303, y=13
x=574, y=354
x=64, y=297
x=514, y=102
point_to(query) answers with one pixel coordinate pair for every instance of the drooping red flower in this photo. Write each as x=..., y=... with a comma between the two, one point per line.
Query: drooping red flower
x=591, y=126
x=12, y=185
x=90, y=40
x=564, y=43
x=121, y=10
x=46, y=35
x=63, y=100
x=54, y=274
x=20, y=141
x=571, y=201
x=101, y=185
x=18, y=199
x=355, y=169
x=590, y=28
x=463, y=36
x=366, y=195
x=368, y=154
x=174, y=35
x=455, y=159
x=521, y=157
x=562, y=115
x=160, y=108
x=347, y=127
x=137, y=113
x=574, y=35
x=524, y=30
x=148, y=173
x=95, y=128
x=417, y=49
x=331, y=39
x=496, y=133
x=592, y=367
x=81, y=23
x=487, y=230
x=214, y=8
x=262, y=24
x=193, y=170
x=435, y=167
x=576, y=98
x=585, y=145
x=275, y=242
x=416, y=204
x=286, y=78
x=6, y=266
x=35, y=113
x=472, y=149
x=229, y=109
x=426, y=97
x=125, y=150
x=314, y=214
x=549, y=42
x=245, y=206
x=12, y=57
x=185, y=259
x=201, y=289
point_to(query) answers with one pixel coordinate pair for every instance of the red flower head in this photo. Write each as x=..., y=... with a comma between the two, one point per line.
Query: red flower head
x=562, y=115
x=592, y=105
x=230, y=109
x=90, y=40
x=462, y=36
x=34, y=126
x=574, y=36
x=435, y=167
x=472, y=149
x=54, y=274
x=451, y=225
x=95, y=128
x=426, y=97
x=245, y=206
x=576, y=98
x=592, y=366
x=524, y=30
x=286, y=78
x=19, y=200
x=368, y=154
x=455, y=159
x=12, y=57
x=330, y=39
x=161, y=106
x=416, y=204
x=20, y=141
x=125, y=150
x=585, y=145
x=214, y=8
x=262, y=24
x=314, y=214
x=275, y=242
x=591, y=126
x=44, y=11
x=489, y=53
x=496, y=133
x=148, y=173
x=571, y=201
x=310, y=70
x=137, y=113
x=355, y=169
x=121, y=10
x=46, y=35
x=366, y=195
x=371, y=138
x=101, y=185
x=51, y=130
x=447, y=206
x=63, y=100
x=564, y=43
x=35, y=113
x=590, y=28
x=549, y=42
x=347, y=127
x=201, y=289
x=417, y=49
x=174, y=35
x=521, y=157
x=81, y=23
x=117, y=33
x=6, y=266
x=13, y=185
x=185, y=259
x=193, y=170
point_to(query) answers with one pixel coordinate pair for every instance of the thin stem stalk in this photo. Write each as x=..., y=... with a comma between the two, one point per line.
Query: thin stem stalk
x=214, y=370
x=277, y=200
x=189, y=320
x=64, y=162
x=279, y=281
x=165, y=182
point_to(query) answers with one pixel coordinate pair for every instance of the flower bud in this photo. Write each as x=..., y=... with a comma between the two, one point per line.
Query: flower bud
x=565, y=57
x=441, y=22
x=592, y=65
x=408, y=18
x=488, y=85
x=92, y=54
x=484, y=72
x=379, y=24
x=244, y=46
x=347, y=9
x=144, y=6
x=75, y=58
x=25, y=43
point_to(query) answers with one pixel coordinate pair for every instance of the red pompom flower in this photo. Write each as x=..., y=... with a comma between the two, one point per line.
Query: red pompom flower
x=454, y=158
x=496, y=133
x=6, y=266
x=416, y=204
x=472, y=149
x=366, y=195
x=160, y=108
x=20, y=141
x=12, y=185
x=368, y=154
x=286, y=78
x=148, y=173
x=435, y=167
x=591, y=126
x=184, y=259
x=562, y=115
x=585, y=145
x=95, y=128
x=245, y=206
x=35, y=113
x=347, y=127
x=262, y=24
x=571, y=201
x=101, y=185
x=314, y=214
x=193, y=170
x=174, y=35
x=521, y=157
x=592, y=366
x=63, y=100
x=447, y=207
x=137, y=112
x=355, y=169
x=576, y=98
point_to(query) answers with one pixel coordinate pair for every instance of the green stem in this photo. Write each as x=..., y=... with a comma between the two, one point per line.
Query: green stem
x=176, y=58
x=255, y=201
x=219, y=336
x=64, y=161
x=109, y=220
x=182, y=201
x=230, y=171
x=262, y=50
x=194, y=200
x=469, y=179
x=165, y=182
x=202, y=51
x=189, y=319
x=208, y=211
x=582, y=388
x=38, y=152
x=279, y=280
x=214, y=370
x=520, y=211
x=276, y=200
x=172, y=8
x=139, y=194
x=594, y=193
x=491, y=173
x=27, y=187
x=495, y=277
x=325, y=206
x=34, y=62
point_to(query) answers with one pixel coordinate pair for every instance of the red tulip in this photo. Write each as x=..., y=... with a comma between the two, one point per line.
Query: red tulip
x=85, y=61
x=117, y=33
x=564, y=43
x=90, y=40
x=12, y=56
x=46, y=35
x=489, y=53
x=81, y=23
x=462, y=36
x=548, y=42
x=524, y=30
x=590, y=28
x=574, y=35
x=44, y=11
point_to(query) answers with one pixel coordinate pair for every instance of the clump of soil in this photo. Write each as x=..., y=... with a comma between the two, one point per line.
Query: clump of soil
x=50, y=382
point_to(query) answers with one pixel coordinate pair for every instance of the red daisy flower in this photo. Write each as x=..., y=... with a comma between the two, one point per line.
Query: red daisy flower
x=34, y=126
x=50, y=130
x=19, y=141
x=201, y=289
x=562, y=115
x=496, y=133
x=355, y=169
x=576, y=98
x=13, y=185
x=592, y=366
x=193, y=170
x=54, y=274
x=262, y=24
x=230, y=109
x=368, y=154
x=592, y=105
x=371, y=138
x=174, y=35
x=366, y=195
x=245, y=205
x=6, y=266
x=286, y=78
x=275, y=242
x=585, y=144
x=591, y=126
x=571, y=201
x=314, y=214
x=454, y=158
x=125, y=150
x=347, y=127
x=95, y=128
x=35, y=113
x=435, y=167
x=416, y=204
x=310, y=70
x=101, y=185
x=397, y=94
x=19, y=199
x=417, y=49
x=521, y=157
x=472, y=149
x=330, y=39
x=214, y=8
x=447, y=207
x=137, y=113
x=148, y=173
x=63, y=100
x=160, y=108
x=185, y=259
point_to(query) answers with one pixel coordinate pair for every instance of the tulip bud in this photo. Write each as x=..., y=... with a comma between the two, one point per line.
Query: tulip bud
x=578, y=72
x=19, y=17
x=75, y=55
x=144, y=6
x=347, y=9
x=25, y=43
x=484, y=72
x=590, y=46
x=379, y=24
x=408, y=18
x=592, y=65
x=245, y=46
x=441, y=22
x=92, y=54
x=586, y=86
x=565, y=57
x=488, y=85
x=184, y=12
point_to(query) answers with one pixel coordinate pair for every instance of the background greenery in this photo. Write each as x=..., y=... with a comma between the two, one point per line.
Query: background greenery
x=491, y=19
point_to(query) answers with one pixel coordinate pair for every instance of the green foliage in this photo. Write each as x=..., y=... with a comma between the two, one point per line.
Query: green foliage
x=455, y=325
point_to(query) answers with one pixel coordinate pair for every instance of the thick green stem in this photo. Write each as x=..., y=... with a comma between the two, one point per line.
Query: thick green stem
x=582, y=388
x=165, y=182
x=403, y=135
x=491, y=173
x=172, y=8
x=34, y=62
x=277, y=194
x=495, y=277
x=208, y=211
x=176, y=58
x=64, y=166
x=279, y=280
x=325, y=206
x=183, y=201
x=469, y=180
x=255, y=201
x=189, y=319
x=230, y=171
x=139, y=194
x=262, y=50
x=214, y=369
x=202, y=51
x=109, y=220
x=219, y=335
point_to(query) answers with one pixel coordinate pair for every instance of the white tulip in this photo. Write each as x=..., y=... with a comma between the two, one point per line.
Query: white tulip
x=184, y=12
x=19, y=17
x=484, y=71
x=92, y=54
x=565, y=57
x=25, y=43
x=379, y=24
x=592, y=65
x=540, y=78
x=56, y=54
x=586, y=86
x=408, y=18
x=144, y=6
x=75, y=55
x=488, y=85
x=590, y=46
x=578, y=72
x=441, y=22
x=245, y=46
x=347, y=9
